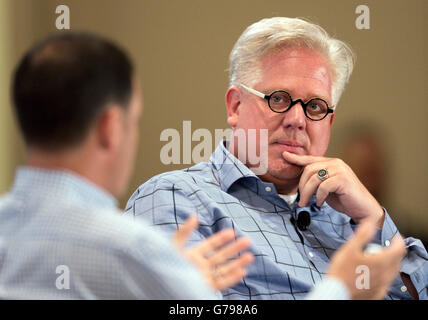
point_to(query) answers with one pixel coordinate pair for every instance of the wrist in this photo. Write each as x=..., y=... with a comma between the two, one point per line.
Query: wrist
x=378, y=216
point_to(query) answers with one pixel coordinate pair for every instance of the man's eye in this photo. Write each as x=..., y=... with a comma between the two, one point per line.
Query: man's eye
x=314, y=107
x=276, y=99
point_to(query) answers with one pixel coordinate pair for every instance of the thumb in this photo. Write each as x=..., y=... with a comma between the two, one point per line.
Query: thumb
x=182, y=234
x=364, y=234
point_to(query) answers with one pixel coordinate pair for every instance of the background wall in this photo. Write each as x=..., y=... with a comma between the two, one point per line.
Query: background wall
x=181, y=51
x=6, y=162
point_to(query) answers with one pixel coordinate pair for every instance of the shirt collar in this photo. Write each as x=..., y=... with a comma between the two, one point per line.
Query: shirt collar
x=63, y=183
x=229, y=168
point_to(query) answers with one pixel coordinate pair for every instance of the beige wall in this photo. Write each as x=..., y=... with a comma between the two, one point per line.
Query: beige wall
x=6, y=161
x=181, y=50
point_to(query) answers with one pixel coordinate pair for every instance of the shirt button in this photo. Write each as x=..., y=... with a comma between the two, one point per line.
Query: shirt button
x=387, y=243
x=268, y=189
x=311, y=254
x=403, y=289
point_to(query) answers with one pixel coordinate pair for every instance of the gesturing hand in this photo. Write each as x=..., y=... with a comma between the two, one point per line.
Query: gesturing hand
x=214, y=255
x=342, y=190
x=381, y=268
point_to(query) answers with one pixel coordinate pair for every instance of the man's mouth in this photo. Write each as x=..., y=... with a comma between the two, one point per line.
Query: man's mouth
x=290, y=146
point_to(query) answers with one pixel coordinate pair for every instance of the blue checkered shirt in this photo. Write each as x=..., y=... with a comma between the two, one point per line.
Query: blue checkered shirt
x=62, y=237
x=224, y=193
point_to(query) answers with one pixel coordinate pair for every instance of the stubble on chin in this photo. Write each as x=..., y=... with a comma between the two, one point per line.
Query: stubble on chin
x=282, y=170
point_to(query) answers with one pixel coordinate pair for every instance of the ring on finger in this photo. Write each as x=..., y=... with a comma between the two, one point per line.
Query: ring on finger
x=322, y=174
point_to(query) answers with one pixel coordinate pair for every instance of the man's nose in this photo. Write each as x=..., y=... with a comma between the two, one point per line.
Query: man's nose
x=295, y=117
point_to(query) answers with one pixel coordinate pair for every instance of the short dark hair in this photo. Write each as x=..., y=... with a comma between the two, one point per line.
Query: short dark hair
x=64, y=82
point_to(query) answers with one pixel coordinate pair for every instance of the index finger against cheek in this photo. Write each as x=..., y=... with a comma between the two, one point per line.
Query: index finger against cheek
x=300, y=160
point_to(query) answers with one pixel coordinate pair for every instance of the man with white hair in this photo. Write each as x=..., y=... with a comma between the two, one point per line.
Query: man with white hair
x=286, y=78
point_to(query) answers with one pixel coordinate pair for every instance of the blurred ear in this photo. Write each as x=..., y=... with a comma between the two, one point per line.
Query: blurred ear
x=233, y=102
x=109, y=129
x=332, y=119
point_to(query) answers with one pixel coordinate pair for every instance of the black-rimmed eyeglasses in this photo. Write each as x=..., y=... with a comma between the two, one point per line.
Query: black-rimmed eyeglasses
x=280, y=101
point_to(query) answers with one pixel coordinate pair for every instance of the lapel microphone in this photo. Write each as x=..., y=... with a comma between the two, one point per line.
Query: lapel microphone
x=303, y=219
x=303, y=216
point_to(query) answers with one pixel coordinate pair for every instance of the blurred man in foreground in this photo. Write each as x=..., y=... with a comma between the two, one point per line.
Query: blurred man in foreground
x=62, y=236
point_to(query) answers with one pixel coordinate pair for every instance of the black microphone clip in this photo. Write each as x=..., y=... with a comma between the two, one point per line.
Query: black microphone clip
x=303, y=219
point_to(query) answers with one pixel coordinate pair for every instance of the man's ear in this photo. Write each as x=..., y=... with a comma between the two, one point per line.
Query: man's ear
x=110, y=127
x=332, y=119
x=233, y=102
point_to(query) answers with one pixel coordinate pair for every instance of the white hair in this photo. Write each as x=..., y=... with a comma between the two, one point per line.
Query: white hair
x=273, y=34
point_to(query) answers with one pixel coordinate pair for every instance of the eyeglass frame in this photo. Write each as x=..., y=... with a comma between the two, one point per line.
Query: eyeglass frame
x=292, y=102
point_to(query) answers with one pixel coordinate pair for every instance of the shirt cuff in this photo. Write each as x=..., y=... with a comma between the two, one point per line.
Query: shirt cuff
x=329, y=288
x=383, y=236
